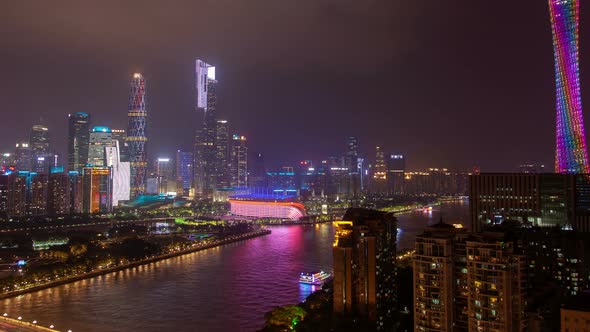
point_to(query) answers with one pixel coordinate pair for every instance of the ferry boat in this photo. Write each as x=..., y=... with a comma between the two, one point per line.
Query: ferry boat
x=427, y=209
x=317, y=278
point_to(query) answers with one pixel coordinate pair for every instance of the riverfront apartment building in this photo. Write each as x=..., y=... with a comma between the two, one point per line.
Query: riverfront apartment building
x=468, y=282
x=364, y=266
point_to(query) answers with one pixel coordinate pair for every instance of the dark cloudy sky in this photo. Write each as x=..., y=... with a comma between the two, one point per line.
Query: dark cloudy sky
x=449, y=83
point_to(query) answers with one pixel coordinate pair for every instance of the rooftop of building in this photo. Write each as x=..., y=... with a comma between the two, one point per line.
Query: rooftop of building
x=580, y=302
x=102, y=129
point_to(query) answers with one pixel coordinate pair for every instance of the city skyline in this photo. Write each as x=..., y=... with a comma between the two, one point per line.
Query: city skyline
x=396, y=117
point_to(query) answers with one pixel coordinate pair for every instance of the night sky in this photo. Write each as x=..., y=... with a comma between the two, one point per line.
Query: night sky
x=448, y=83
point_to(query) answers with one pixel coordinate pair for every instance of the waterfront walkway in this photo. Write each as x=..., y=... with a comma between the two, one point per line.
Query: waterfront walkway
x=95, y=273
x=20, y=325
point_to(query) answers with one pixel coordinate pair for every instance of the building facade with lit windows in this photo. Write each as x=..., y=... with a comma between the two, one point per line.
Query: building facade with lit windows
x=58, y=194
x=545, y=200
x=38, y=194
x=101, y=137
x=469, y=282
x=497, y=284
x=364, y=254
x=440, y=279
x=97, y=190
x=18, y=188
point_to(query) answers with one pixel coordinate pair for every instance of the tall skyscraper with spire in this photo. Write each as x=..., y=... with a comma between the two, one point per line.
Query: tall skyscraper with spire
x=78, y=140
x=571, y=154
x=205, y=149
x=136, y=135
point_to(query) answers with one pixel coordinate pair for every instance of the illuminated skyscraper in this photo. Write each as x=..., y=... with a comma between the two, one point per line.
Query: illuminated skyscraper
x=353, y=165
x=184, y=170
x=379, y=171
x=136, y=135
x=239, y=162
x=39, y=143
x=120, y=136
x=222, y=165
x=100, y=138
x=23, y=156
x=78, y=139
x=205, y=150
x=571, y=155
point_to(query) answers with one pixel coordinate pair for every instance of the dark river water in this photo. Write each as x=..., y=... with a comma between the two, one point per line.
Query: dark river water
x=228, y=288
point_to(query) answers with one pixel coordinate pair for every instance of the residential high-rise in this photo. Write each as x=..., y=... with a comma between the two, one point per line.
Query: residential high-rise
x=184, y=170
x=78, y=140
x=3, y=195
x=571, y=154
x=101, y=137
x=38, y=199
x=39, y=144
x=205, y=149
x=136, y=135
x=496, y=282
x=468, y=282
x=222, y=165
x=239, y=162
x=364, y=266
x=17, y=193
x=440, y=279
x=58, y=194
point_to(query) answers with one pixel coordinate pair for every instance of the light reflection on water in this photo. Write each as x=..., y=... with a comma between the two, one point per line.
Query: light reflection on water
x=227, y=288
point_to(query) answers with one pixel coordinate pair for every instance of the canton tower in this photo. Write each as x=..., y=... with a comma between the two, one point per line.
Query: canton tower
x=571, y=155
x=136, y=136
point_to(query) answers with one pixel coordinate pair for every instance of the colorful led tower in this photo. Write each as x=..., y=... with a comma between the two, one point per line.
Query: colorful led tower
x=571, y=155
x=136, y=136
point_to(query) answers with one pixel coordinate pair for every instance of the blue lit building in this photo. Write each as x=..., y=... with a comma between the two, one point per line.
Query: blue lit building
x=184, y=170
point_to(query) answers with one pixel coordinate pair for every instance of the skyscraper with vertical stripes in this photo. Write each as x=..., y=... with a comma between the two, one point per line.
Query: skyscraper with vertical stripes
x=571, y=155
x=136, y=134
